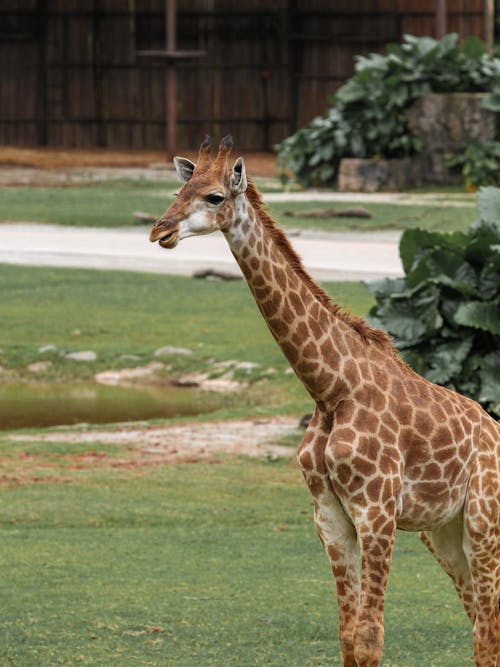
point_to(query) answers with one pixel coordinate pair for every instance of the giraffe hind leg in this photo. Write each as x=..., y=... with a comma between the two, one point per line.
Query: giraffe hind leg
x=446, y=545
x=482, y=548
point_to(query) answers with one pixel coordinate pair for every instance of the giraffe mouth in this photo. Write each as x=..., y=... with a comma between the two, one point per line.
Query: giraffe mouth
x=168, y=239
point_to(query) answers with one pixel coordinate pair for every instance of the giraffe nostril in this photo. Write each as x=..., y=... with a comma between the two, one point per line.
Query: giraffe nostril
x=158, y=230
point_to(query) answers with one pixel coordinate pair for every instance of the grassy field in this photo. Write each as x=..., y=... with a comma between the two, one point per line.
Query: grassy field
x=201, y=564
x=177, y=565
x=113, y=203
x=118, y=314
x=191, y=565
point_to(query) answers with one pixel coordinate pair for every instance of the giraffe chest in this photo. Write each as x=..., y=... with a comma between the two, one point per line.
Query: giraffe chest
x=419, y=467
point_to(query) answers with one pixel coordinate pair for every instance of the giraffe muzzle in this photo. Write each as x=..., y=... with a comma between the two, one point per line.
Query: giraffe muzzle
x=167, y=238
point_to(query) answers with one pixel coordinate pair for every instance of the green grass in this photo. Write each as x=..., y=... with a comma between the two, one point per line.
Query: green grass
x=385, y=217
x=200, y=564
x=123, y=313
x=112, y=203
x=107, y=204
x=194, y=565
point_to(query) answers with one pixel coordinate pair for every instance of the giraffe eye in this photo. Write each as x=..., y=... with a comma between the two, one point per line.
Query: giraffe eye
x=214, y=199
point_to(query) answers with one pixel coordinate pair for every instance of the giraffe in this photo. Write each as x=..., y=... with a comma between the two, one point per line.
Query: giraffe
x=385, y=448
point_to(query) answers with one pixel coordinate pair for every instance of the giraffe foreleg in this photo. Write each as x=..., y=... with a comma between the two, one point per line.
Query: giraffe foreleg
x=369, y=497
x=335, y=530
x=339, y=539
x=376, y=555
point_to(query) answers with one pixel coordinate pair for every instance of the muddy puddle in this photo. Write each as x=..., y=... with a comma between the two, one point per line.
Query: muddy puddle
x=35, y=404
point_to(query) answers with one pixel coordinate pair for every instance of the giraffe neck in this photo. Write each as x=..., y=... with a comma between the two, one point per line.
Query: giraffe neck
x=319, y=341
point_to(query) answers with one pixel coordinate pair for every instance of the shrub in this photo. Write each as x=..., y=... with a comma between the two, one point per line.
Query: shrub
x=479, y=163
x=367, y=117
x=444, y=314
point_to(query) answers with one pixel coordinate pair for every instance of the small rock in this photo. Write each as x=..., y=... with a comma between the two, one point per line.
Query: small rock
x=87, y=355
x=126, y=375
x=223, y=364
x=220, y=384
x=47, y=348
x=190, y=380
x=39, y=366
x=247, y=365
x=172, y=350
x=129, y=357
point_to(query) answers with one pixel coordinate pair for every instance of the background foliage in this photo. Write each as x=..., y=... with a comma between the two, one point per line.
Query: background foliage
x=445, y=313
x=367, y=115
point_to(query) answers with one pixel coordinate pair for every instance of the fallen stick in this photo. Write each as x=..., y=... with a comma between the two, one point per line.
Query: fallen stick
x=219, y=275
x=357, y=212
x=144, y=218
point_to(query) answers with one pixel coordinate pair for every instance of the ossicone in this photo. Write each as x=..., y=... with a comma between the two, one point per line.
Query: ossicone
x=226, y=143
x=206, y=143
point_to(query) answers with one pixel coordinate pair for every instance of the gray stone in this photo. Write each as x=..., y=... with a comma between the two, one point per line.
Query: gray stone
x=86, y=355
x=370, y=175
x=447, y=121
x=39, y=366
x=47, y=348
x=172, y=350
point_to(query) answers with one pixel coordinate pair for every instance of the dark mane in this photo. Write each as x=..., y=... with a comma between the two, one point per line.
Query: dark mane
x=358, y=324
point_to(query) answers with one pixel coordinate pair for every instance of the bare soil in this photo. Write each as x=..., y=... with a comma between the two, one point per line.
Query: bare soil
x=143, y=446
x=14, y=158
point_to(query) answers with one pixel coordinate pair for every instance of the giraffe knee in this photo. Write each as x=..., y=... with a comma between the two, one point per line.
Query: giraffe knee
x=368, y=643
x=486, y=644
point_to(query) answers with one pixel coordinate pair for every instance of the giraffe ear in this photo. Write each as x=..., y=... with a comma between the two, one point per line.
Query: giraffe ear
x=238, y=180
x=184, y=168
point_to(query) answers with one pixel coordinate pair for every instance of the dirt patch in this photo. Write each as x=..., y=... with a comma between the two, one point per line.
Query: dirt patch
x=49, y=166
x=173, y=444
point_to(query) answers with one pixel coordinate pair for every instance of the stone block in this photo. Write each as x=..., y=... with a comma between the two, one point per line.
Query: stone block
x=384, y=175
x=448, y=121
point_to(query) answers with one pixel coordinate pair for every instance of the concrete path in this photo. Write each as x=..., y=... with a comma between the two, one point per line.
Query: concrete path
x=326, y=256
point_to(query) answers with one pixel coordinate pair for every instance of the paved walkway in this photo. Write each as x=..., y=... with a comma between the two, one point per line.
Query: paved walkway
x=327, y=256
x=335, y=256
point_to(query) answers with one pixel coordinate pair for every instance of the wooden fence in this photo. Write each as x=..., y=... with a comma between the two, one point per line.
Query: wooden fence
x=70, y=75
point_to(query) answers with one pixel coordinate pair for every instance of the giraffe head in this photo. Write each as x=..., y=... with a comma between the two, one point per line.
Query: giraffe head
x=206, y=201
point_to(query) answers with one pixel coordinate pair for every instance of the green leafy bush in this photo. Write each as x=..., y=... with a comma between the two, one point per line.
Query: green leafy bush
x=444, y=314
x=367, y=117
x=479, y=163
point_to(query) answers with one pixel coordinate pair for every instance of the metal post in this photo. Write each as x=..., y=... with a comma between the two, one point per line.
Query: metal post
x=42, y=69
x=170, y=80
x=489, y=23
x=441, y=16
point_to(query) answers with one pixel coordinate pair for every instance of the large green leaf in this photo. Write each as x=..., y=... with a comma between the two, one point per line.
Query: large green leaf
x=446, y=267
x=490, y=378
x=412, y=316
x=488, y=204
x=482, y=315
x=473, y=47
x=445, y=360
x=483, y=237
x=414, y=241
x=489, y=279
x=386, y=287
